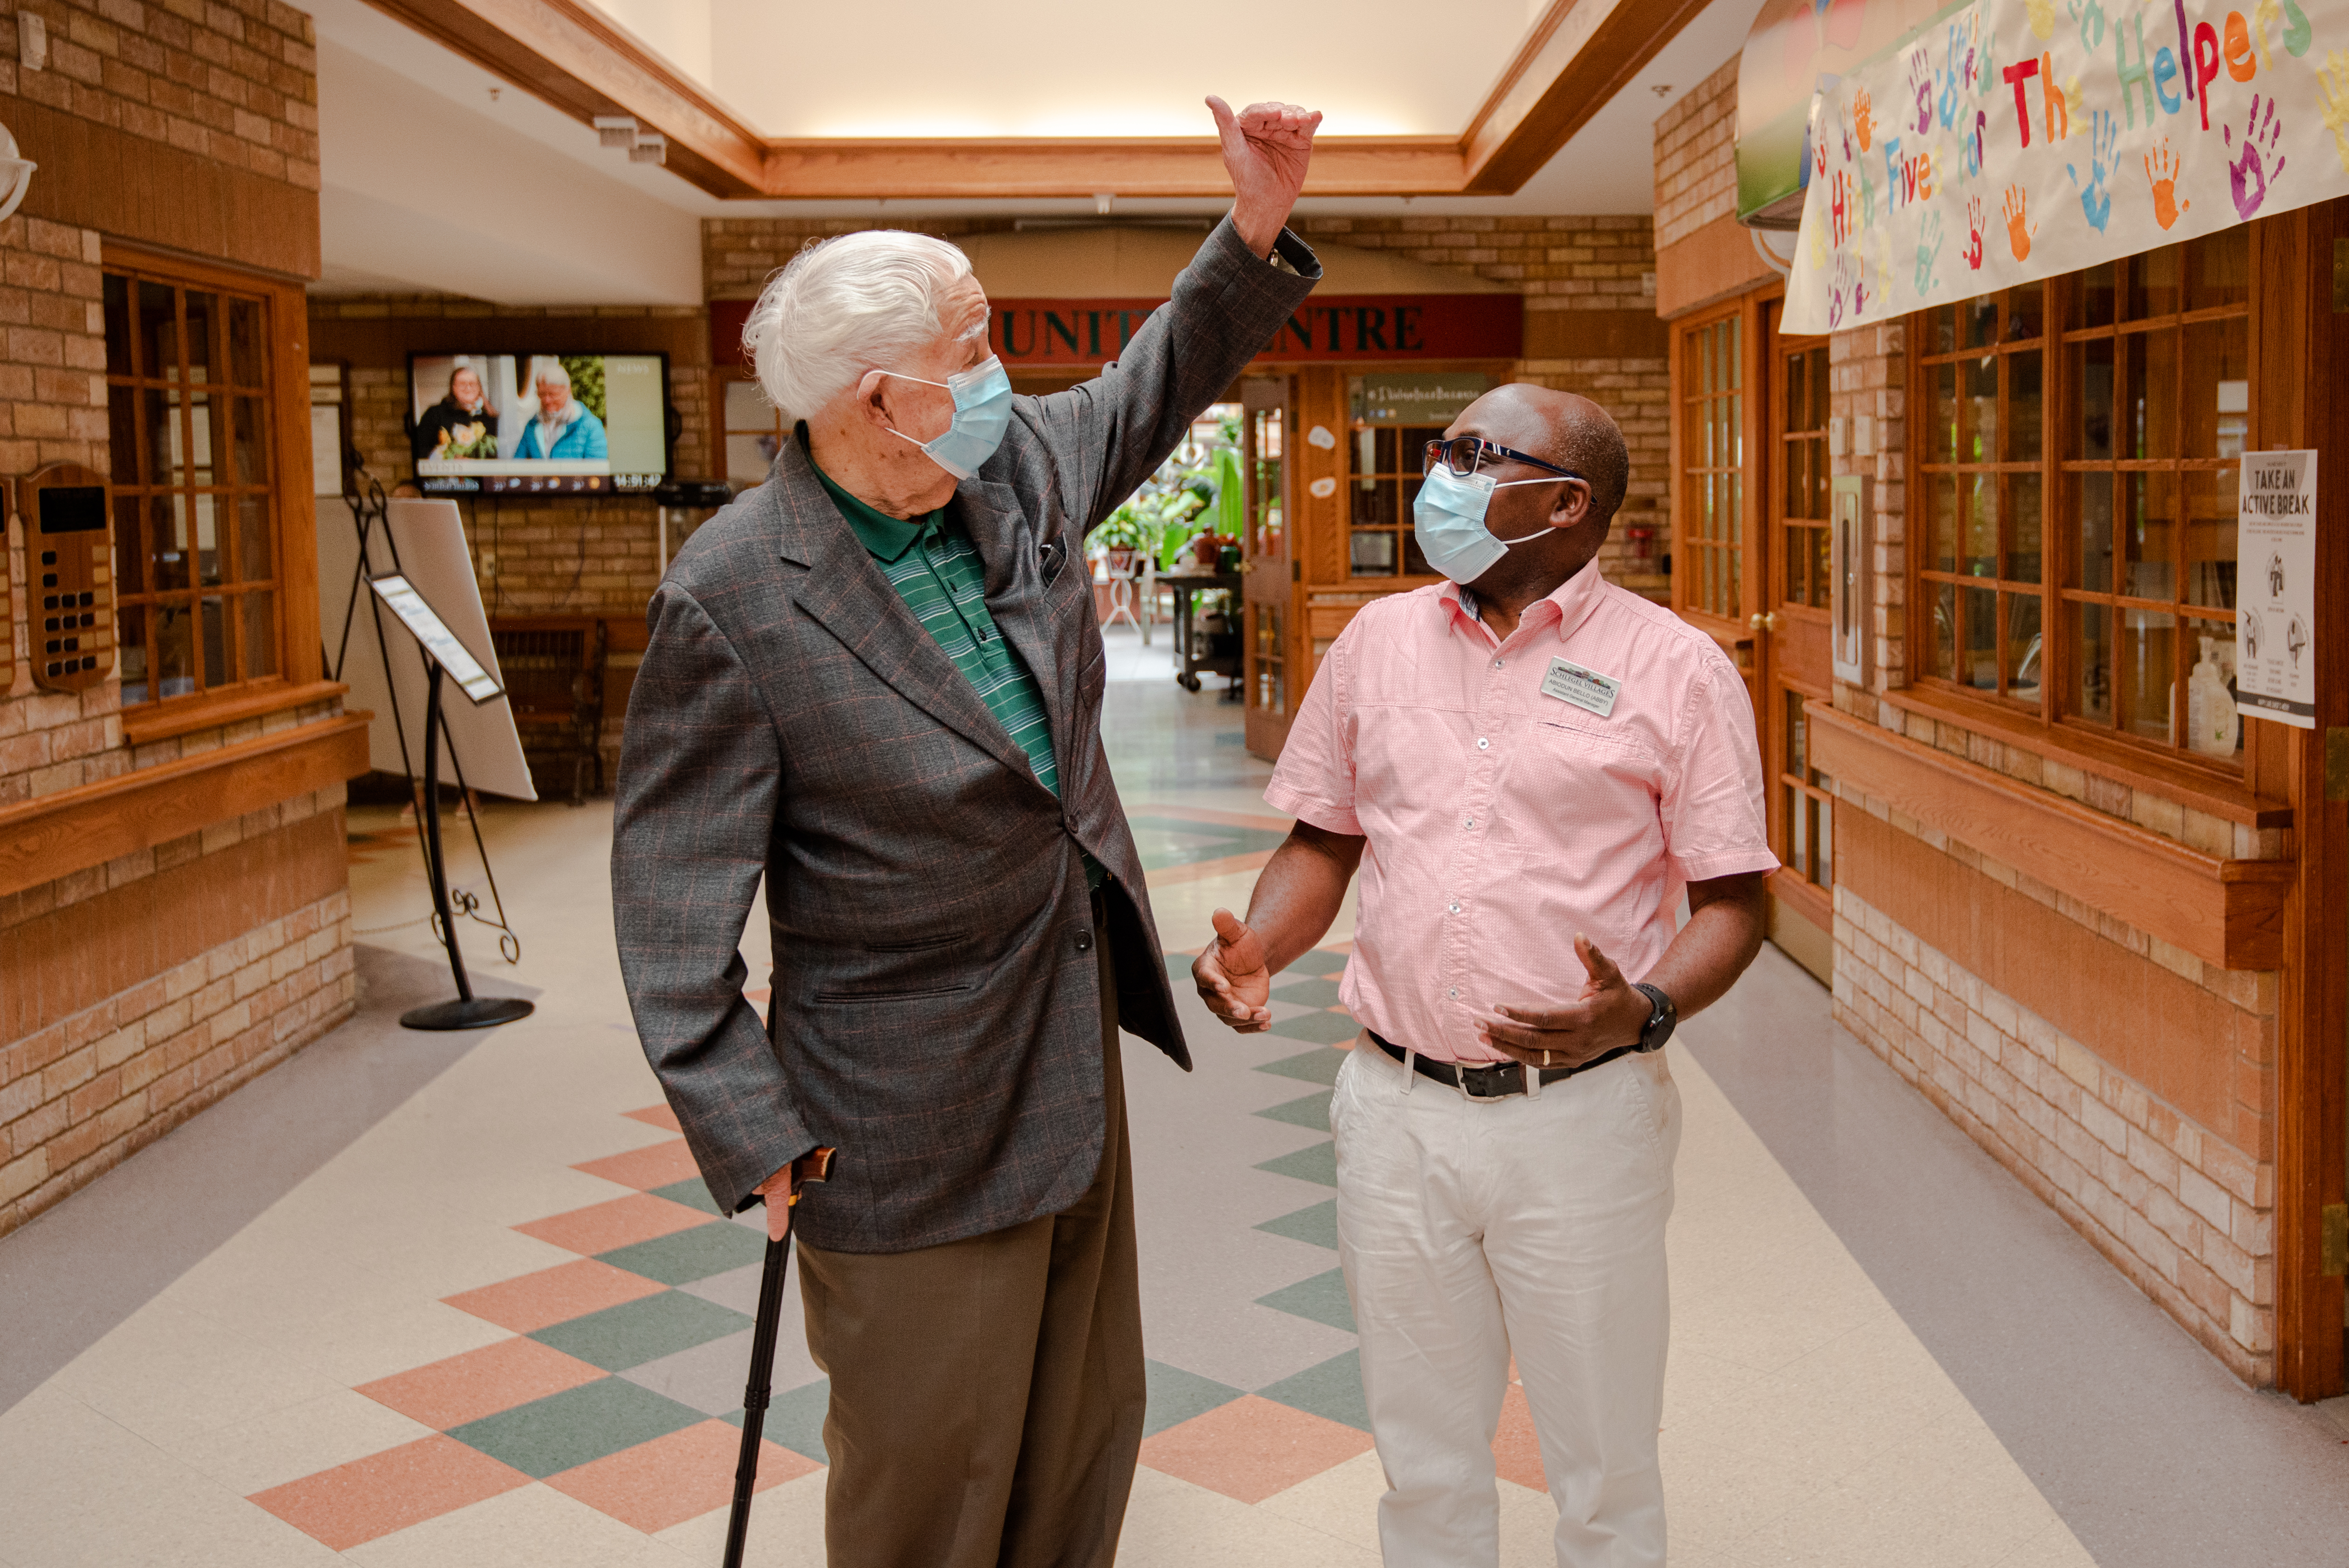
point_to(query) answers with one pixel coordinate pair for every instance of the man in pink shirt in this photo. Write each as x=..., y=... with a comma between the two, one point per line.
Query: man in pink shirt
x=1530, y=767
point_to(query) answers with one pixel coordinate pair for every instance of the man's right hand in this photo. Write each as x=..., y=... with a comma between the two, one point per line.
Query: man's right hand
x=1232, y=977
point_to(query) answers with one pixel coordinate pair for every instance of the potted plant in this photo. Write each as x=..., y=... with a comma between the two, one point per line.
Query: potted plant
x=1120, y=535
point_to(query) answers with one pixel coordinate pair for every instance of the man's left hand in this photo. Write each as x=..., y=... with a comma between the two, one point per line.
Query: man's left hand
x=1610, y=1014
x=1267, y=147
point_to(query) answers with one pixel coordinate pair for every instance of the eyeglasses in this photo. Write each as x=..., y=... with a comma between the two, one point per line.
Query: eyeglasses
x=1464, y=454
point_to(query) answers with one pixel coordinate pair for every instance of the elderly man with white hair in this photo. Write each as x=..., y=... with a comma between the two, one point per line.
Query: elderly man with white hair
x=877, y=680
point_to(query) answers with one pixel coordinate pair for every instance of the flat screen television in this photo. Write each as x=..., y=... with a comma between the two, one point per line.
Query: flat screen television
x=538, y=424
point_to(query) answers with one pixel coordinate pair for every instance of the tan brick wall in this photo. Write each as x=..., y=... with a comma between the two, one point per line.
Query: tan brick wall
x=234, y=82
x=1696, y=157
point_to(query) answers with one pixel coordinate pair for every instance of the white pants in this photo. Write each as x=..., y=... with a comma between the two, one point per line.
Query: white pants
x=1471, y=1229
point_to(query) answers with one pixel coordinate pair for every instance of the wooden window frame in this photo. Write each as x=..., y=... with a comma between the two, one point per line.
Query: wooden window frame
x=294, y=580
x=1729, y=628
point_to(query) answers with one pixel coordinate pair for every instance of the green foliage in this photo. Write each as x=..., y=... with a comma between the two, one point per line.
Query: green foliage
x=1198, y=487
x=587, y=381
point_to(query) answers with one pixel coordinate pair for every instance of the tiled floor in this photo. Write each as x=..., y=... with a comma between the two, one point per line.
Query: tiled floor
x=498, y=1322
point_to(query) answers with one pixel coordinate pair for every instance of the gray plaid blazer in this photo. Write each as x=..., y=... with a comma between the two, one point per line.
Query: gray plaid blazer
x=936, y=1010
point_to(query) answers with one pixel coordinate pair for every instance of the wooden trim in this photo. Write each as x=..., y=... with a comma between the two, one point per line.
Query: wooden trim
x=2226, y=912
x=1002, y=168
x=1804, y=897
x=73, y=829
x=146, y=724
x=1570, y=65
x=2109, y=756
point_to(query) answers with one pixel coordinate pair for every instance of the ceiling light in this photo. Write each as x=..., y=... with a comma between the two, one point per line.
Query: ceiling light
x=615, y=130
x=1103, y=200
x=651, y=146
x=1661, y=89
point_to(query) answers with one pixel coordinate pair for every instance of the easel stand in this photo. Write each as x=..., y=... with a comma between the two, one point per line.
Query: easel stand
x=468, y=1011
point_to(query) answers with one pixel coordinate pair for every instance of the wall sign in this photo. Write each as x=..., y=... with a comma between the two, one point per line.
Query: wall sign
x=2275, y=613
x=1434, y=397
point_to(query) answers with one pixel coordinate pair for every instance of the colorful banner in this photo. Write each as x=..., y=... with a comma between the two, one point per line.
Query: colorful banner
x=2023, y=138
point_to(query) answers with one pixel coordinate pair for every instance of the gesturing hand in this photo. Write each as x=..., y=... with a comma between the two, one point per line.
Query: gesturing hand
x=1232, y=978
x=1267, y=147
x=1610, y=1013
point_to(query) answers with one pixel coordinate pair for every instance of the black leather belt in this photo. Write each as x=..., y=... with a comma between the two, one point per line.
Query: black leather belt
x=1494, y=1080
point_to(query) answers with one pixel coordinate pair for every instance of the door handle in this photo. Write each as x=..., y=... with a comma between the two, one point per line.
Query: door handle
x=1761, y=620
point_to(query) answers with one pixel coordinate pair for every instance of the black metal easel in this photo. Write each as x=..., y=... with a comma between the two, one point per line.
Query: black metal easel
x=468, y=1011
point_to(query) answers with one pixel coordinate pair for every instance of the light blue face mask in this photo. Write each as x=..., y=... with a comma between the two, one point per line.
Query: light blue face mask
x=1448, y=520
x=982, y=398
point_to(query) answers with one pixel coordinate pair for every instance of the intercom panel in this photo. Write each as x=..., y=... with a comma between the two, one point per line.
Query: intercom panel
x=70, y=559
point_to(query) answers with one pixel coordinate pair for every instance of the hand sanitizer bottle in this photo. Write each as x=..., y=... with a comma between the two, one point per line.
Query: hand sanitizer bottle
x=2213, y=727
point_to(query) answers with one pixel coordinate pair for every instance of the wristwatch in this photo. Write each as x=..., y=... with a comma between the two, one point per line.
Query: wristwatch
x=1663, y=1018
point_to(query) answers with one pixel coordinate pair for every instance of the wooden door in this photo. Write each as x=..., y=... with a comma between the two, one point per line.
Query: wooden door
x=1268, y=583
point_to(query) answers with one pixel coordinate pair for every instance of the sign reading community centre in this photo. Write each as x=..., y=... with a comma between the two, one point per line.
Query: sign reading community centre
x=2015, y=139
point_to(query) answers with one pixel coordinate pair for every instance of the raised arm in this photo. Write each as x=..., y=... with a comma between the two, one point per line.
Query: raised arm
x=699, y=773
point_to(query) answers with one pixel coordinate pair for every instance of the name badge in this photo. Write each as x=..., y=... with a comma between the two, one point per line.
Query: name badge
x=1586, y=689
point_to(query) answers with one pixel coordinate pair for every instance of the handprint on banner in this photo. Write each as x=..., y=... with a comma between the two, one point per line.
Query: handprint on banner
x=1863, y=118
x=2250, y=172
x=1945, y=110
x=2042, y=17
x=2090, y=16
x=2104, y=142
x=2332, y=82
x=1974, y=232
x=1971, y=145
x=2018, y=228
x=1929, y=251
x=1921, y=87
x=2161, y=169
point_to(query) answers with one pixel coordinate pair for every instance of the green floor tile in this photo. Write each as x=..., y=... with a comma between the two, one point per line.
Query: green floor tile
x=684, y=1256
x=795, y=1421
x=1318, y=961
x=1321, y=1298
x=1313, y=1067
x=1322, y=1028
x=551, y=1435
x=1318, y=1162
x=1311, y=1112
x=693, y=1192
x=1317, y=1224
x=1319, y=992
x=1176, y=1396
x=636, y=1332
x=1332, y=1390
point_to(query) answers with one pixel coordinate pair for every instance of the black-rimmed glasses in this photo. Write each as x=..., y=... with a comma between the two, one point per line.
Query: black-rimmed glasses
x=1463, y=455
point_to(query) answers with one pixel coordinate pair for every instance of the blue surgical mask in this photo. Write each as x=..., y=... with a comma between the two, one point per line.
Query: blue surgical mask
x=1448, y=520
x=982, y=398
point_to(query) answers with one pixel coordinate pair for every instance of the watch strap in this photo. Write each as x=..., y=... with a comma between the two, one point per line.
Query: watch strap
x=1663, y=1018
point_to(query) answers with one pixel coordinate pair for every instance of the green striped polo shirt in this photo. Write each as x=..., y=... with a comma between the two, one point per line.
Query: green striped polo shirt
x=937, y=571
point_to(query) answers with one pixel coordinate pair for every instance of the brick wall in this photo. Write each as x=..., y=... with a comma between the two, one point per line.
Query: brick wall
x=235, y=82
x=1696, y=157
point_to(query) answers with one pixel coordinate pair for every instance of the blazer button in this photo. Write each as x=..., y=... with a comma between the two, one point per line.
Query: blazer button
x=1085, y=942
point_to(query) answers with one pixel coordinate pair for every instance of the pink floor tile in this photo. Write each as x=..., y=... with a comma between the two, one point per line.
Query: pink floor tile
x=623, y=1222
x=1517, y=1452
x=1252, y=1448
x=553, y=1296
x=481, y=1382
x=655, y=1116
x=355, y=1503
x=644, y=1169
x=673, y=1478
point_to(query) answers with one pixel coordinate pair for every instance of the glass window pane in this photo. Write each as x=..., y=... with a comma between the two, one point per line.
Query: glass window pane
x=1941, y=329
x=2148, y=532
x=2023, y=406
x=2023, y=528
x=245, y=343
x=1819, y=568
x=1797, y=850
x=1978, y=638
x=211, y=561
x=2091, y=380
x=1373, y=553
x=116, y=291
x=1942, y=434
x=158, y=334
x=2218, y=269
x=1978, y=411
x=1734, y=582
x=129, y=558
x=1414, y=564
x=746, y=408
x=259, y=633
x=203, y=329
x=1817, y=419
x=1944, y=503
x=2025, y=311
x=748, y=458
x=1825, y=840
x=1375, y=504
x=2213, y=726
x=122, y=434
x=2024, y=646
x=2152, y=287
x=2148, y=675
x=199, y=440
x=2211, y=508
x=169, y=543
x=131, y=635
x=159, y=411
x=1982, y=525
x=256, y=561
x=252, y=463
x=2148, y=404
x=1978, y=321
x=175, y=649
x=2217, y=396
x=1944, y=604
x=2094, y=697
x=2096, y=532
x=2096, y=295
x=215, y=642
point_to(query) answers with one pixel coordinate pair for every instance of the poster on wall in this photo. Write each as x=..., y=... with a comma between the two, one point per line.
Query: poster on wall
x=2275, y=614
x=2015, y=139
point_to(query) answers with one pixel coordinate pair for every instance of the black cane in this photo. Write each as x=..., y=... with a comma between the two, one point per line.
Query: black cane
x=816, y=1167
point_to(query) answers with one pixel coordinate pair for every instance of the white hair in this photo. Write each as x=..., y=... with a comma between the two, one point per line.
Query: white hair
x=856, y=302
x=551, y=370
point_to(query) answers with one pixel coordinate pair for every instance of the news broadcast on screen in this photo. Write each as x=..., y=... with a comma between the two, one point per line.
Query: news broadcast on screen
x=546, y=424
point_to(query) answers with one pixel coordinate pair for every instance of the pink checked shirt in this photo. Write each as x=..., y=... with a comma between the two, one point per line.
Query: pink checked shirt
x=1503, y=820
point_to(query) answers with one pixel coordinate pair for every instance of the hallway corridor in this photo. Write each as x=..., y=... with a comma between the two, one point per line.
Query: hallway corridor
x=461, y=1300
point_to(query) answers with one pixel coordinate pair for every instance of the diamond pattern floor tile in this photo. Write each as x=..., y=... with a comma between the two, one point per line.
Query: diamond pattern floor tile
x=1322, y=961
x=575, y=1426
x=737, y=1288
x=655, y=1116
x=1332, y=1390
x=1317, y=1224
x=675, y=1476
x=1252, y=1448
x=1312, y=1112
x=1322, y=1028
x=600, y=1227
x=687, y=1255
x=1321, y=1298
x=480, y=1383
x=656, y=1165
x=639, y=1331
x=1315, y=1162
x=1516, y=1449
x=795, y=1419
x=693, y=1192
x=708, y=1376
x=1176, y=1396
x=535, y=1301
x=1319, y=992
x=1308, y=1067
x=352, y=1504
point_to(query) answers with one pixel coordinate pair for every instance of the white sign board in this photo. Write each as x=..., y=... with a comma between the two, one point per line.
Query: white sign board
x=2275, y=613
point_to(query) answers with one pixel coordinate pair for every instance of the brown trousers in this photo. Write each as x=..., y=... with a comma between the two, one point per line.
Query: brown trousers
x=987, y=1394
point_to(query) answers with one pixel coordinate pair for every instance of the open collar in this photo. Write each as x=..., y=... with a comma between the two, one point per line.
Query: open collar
x=1565, y=608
